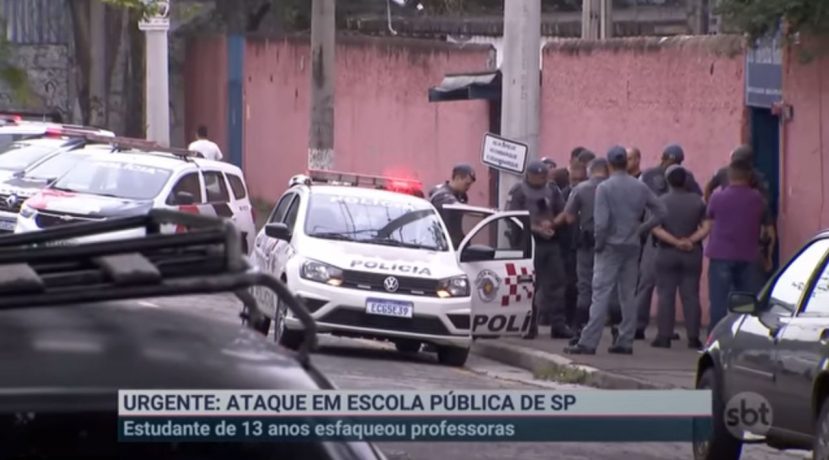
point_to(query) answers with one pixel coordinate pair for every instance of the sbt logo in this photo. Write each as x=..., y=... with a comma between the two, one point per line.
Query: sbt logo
x=748, y=413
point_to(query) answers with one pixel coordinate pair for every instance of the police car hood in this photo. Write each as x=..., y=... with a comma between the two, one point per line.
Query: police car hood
x=86, y=204
x=24, y=187
x=383, y=259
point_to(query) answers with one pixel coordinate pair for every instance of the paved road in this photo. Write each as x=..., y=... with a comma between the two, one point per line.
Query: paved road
x=359, y=364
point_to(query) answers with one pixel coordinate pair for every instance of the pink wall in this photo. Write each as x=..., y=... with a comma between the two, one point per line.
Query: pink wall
x=384, y=123
x=649, y=93
x=639, y=92
x=206, y=89
x=805, y=151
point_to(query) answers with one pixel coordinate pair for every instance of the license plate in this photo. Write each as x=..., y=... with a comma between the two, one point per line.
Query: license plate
x=7, y=225
x=389, y=308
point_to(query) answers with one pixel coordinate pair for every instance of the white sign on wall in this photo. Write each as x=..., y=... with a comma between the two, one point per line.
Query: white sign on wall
x=504, y=154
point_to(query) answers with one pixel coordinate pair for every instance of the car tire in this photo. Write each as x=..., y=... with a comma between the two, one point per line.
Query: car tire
x=820, y=449
x=721, y=445
x=453, y=356
x=407, y=346
x=281, y=334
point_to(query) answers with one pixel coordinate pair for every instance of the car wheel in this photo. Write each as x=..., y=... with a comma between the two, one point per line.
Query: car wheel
x=453, y=356
x=281, y=334
x=721, y=445
x=820, y=450
x=407, y=346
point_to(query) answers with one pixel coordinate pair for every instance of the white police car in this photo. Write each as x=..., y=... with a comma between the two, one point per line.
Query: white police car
x=31, y=164
x=380, y=264
x=138, y=177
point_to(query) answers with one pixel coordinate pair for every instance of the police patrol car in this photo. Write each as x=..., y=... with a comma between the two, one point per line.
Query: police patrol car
x=380, y=264
x=138, y=176
x=31, y=164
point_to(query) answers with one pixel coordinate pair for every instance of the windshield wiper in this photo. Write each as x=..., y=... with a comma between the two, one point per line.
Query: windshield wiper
x=400, y=244
x=64, y=189
x=331, y=236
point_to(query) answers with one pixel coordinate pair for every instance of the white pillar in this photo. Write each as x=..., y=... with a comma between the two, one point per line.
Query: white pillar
x=157, y=76
x=520, y=105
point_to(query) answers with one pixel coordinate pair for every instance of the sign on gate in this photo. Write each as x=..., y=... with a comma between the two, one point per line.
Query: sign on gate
x=504, y=154
x=764, y=72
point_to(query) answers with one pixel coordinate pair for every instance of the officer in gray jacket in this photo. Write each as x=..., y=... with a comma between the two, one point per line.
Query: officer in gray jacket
x=621, y=201
x=544, y=202
x=654, y=178
x=450, y=192
x=678, y=261
x=579, y=210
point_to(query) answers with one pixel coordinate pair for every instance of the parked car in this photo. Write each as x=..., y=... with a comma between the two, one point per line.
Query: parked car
x=137, y=178
x=18, y=126
x=380, y=264
x=74, y=335
x=28, y=182
x=775, y=345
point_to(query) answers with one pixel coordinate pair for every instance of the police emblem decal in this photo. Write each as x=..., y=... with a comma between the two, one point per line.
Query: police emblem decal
x=487, y=283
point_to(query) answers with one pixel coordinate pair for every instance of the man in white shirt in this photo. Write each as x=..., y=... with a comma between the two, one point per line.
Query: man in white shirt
x=206, y=147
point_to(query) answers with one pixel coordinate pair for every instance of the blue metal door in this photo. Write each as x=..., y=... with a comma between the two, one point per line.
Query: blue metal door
x=235, y=97
x=765, y=140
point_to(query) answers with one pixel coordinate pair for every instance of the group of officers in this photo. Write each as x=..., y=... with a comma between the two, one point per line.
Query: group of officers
x=620, y=240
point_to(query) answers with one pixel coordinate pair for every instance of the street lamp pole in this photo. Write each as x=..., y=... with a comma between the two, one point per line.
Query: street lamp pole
x=156, y=25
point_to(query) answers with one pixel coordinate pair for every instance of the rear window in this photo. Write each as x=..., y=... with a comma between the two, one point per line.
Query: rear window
x=238, y=186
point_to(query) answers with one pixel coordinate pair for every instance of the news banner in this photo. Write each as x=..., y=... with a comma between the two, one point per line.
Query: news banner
x=460, y=415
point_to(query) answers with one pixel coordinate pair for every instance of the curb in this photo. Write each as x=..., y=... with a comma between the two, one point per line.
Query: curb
x=536, y=361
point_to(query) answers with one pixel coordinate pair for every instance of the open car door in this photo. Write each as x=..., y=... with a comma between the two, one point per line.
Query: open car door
x=497, y=256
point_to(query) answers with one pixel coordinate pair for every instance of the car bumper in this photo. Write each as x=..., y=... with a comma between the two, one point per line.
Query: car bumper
x=8, y=222
x=343, y=310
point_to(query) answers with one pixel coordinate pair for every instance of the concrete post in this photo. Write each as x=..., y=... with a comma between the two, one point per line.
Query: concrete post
x=155, y=28
x=520, y=105
x=590, y=19
x=606, y=19
x=323, y=47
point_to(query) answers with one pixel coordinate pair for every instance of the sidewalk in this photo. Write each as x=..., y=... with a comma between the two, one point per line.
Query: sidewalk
x=647, y=368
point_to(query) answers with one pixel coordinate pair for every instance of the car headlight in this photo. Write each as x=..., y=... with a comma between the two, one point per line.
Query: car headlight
x=26, y=211
x=457, y=286
x=322, y=273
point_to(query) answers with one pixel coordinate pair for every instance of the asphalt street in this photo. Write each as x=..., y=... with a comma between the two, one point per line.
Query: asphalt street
x=363, y=364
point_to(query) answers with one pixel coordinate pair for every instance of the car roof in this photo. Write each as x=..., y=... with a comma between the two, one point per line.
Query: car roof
x=161, y=159
x=55, y=143
x=363, y=192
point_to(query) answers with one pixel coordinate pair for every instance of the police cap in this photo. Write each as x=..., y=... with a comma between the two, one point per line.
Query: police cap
x=463, y=170
x=674, y=152
x=617, y=156
x=537, y=167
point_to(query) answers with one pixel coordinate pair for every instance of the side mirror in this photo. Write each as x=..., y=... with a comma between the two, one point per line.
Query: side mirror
x=742, y=303
x=477, y=253
x=279, y=231
x=184, y=198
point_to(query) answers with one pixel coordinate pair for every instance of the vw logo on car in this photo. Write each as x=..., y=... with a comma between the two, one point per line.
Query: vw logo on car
x=11, y=200
x=391, y=284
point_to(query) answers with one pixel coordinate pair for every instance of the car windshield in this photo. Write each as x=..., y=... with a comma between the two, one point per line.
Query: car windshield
x=116, y=179
x=400, y=223
x=21, y=155
x=54, y=167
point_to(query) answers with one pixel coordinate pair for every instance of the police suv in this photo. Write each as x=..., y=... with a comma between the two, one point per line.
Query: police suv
x=31, y=164
x=378, y=262
x=131, y=176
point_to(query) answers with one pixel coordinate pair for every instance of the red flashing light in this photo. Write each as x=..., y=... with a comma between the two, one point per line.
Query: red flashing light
x=54, y=131
x=398, y=185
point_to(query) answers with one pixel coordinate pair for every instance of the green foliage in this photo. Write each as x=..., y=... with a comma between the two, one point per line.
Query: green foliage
x=13, y=77
x=760, y=17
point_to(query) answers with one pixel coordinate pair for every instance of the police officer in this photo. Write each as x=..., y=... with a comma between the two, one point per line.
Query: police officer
x=620, y=202
x=654, y=178
x=544, y=202
x=678, y=261
x=579, y=210
x=450, y=192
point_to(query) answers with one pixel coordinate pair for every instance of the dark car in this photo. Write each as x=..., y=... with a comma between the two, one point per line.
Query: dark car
x=771, y=356
x=71, y=336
